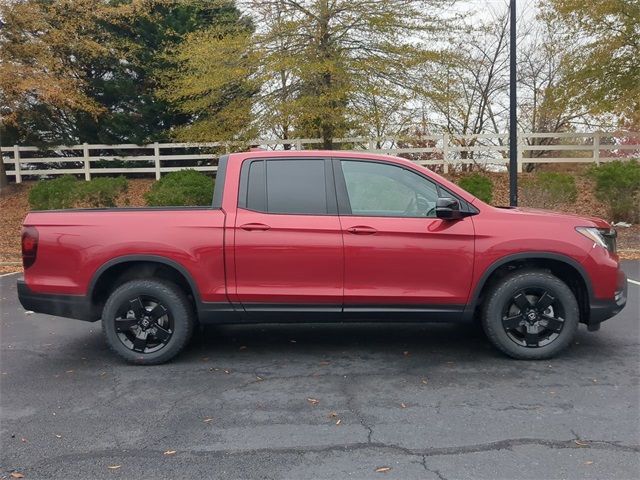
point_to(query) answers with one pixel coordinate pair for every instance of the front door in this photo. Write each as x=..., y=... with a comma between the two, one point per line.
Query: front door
x=398, y=254
x=288, y=242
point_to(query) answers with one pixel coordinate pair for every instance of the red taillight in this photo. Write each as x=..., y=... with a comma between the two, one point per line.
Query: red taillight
x=29, y=246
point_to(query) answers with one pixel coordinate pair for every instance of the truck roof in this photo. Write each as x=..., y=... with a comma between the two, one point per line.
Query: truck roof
x=316, y=153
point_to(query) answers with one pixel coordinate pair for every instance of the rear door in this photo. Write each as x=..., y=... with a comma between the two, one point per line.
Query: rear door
x=397, y=253
x=288, y=241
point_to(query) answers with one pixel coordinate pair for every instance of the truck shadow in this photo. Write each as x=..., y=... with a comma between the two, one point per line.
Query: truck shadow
x=255, y=344
x=437, y=341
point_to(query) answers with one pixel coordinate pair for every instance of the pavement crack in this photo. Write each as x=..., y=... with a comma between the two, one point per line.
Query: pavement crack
x=423, y=462
x=422, y=453
x=356, y=412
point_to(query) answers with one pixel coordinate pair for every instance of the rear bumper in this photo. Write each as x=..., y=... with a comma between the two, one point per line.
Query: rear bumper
x=601, y=310
x=70, y=306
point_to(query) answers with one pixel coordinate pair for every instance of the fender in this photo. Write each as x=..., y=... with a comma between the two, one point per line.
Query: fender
x=144, y=258
x=534, y=255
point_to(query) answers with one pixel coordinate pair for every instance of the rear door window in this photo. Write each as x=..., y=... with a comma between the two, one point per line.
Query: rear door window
x=296, y=186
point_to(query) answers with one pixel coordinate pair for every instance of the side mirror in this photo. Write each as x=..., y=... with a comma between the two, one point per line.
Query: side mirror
x=448, y=208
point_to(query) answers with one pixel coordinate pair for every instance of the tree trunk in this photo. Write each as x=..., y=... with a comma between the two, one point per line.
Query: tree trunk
x=4, y=181
x=327, y=136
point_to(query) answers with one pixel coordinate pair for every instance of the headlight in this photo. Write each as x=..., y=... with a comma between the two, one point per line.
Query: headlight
x=604, y=237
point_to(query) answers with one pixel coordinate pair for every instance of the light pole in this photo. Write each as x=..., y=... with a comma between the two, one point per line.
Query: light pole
x=513, y=125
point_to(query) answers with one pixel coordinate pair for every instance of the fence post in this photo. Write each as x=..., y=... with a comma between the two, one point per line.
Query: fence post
x=298, y=144
x=16, y=159
x=519, y=152
x=156, y=159
x=445, y=153
x=87, y=163
x=596, y=147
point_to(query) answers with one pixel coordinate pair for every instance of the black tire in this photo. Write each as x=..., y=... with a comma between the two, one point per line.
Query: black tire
x=515, y=321
x=134, y=306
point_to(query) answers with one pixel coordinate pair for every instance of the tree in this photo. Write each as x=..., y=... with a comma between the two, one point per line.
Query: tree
x=468, y=85
x=86, y=70
x=41, y=72
x=604, y=74
x=306, y=65
x=544, y=102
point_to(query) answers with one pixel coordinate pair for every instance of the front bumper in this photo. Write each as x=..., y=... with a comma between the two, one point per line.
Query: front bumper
x=70, y=306
x=601, y=310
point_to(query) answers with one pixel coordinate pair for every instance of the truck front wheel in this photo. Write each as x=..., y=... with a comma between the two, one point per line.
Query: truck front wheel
x=147, y=321
x=530, y=315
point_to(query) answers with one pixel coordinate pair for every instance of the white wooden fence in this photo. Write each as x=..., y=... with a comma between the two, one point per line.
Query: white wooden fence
x=448, y=151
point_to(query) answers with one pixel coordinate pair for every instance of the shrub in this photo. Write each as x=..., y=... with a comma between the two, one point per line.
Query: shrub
x=548, y=189
x=618, y=186
x=67, y=192
x=181, y=188
x=478, y=185
x=101, y=192
x=53, y=194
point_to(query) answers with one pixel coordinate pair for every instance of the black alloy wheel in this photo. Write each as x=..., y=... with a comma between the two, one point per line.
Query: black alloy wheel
x=530, y=314
x=533, y=318
x=148, y=321
x=144, y=324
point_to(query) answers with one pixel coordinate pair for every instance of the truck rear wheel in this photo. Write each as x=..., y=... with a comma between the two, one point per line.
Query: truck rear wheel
x=147, y=322
x=530, y=315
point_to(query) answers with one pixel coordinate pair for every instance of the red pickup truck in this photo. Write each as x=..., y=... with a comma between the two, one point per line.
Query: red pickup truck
x=323, y=236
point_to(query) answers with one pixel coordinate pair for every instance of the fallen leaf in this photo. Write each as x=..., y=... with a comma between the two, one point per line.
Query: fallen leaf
x=16, y=475
x=69, y=371
x=338, y=422
x=114, y=467
x=227, y=372
x=102, y=374
x=28, y=312
x=58, y=436
x=383, y=469
x=258, y=378
x=333, y=415
x=207, y=420
x=313, y=401
x=403, y=405
x=582, y=444
x=424, y=380
x=169, y=452
x=293, y=341
x=588, y=462
x=23, y=440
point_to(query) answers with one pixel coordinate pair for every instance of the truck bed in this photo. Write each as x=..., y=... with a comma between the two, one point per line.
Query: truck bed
x=75, y=244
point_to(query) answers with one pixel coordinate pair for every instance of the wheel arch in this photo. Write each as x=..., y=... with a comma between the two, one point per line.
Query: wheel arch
x=566, y=268
x=127, y=267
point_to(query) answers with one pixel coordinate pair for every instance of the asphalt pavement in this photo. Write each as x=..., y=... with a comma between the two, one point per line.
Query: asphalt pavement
x=334, y=401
